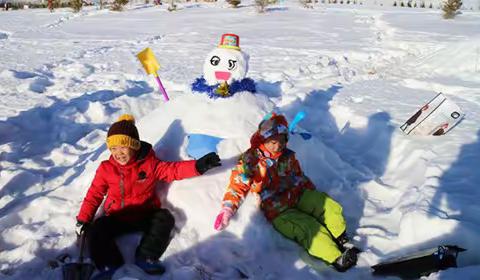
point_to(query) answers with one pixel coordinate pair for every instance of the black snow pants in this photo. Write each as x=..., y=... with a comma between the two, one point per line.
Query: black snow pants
x=156, y=227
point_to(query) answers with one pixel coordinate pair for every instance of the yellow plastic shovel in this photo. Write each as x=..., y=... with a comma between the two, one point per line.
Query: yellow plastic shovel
x=151, y=65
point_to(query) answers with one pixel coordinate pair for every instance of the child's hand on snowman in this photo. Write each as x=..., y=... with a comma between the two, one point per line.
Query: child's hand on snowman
x=207, y=162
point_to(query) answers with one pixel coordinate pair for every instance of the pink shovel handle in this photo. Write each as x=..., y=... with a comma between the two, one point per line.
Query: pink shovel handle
x=162, y=89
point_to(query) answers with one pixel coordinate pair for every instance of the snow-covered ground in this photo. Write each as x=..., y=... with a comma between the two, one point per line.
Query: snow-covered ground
x=358, y=72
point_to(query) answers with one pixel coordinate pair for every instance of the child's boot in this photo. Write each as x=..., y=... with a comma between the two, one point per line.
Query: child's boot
x=105, y=273
x=346, y=260
x=343, y=242
x=150, y=265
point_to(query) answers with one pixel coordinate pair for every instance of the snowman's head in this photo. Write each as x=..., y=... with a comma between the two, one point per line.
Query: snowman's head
x=223, y=64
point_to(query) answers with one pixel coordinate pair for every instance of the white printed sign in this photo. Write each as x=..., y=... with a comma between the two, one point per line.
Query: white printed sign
x=436, y=117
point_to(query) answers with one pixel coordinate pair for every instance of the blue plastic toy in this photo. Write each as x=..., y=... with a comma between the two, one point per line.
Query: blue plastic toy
x=291, y=128
x=201, y=144
x=298, y=117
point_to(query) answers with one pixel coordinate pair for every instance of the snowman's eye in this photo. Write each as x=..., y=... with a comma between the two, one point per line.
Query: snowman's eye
x=215, y=60
x=232, y=64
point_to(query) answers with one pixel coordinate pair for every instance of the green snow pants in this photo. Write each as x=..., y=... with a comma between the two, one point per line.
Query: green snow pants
x=314, y=224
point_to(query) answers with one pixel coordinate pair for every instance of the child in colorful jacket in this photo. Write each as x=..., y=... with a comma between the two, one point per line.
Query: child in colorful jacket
x=287, y=197
x=128, y=179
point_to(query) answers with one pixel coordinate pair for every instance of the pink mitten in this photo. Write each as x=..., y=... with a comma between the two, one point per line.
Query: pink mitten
x=223, y=218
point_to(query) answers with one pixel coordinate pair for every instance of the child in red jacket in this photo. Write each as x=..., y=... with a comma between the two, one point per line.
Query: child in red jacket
x=128, y=179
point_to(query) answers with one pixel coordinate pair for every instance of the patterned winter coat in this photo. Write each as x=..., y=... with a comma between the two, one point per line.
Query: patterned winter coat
x=278, y=182
x=130, y=188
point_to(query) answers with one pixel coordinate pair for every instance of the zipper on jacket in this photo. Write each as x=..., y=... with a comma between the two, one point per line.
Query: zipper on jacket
x=122, y=191
x=109, y=206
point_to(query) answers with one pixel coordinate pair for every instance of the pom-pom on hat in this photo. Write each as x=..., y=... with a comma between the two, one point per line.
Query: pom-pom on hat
x=230, y=41
x=124, y=133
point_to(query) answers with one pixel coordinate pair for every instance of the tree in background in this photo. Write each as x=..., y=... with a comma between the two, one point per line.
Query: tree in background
x=119, y=4
x=234, y=3
x=306, y=3
x=261, y=4
x=451, y=8
x=172, y=6
x=51, y=5
x=76, y=5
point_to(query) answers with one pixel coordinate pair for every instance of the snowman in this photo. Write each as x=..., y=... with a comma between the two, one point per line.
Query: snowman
x=224, y=70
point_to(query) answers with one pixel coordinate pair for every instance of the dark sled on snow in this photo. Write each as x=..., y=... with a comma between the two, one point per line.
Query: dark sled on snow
x=420, y=263
x=79, y=270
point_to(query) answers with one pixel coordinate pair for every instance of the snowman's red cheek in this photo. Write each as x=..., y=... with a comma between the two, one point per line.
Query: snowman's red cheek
x=222, y=75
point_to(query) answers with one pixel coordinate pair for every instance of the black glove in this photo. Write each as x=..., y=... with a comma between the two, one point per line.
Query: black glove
x=80, y=227
x=207, y=162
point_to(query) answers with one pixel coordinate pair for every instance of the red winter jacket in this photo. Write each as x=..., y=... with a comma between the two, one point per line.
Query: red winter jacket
x=130, y=189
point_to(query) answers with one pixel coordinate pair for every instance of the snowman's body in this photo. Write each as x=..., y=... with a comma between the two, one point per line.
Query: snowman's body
x=224, y=70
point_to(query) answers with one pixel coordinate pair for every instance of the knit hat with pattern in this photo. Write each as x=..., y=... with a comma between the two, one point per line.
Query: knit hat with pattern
x=124, y=133
x=271, y=125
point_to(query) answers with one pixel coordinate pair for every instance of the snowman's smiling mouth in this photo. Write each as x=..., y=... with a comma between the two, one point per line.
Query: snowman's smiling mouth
x=222, y=75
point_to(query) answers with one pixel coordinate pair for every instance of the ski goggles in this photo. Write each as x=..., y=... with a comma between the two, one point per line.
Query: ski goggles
x=271, y=127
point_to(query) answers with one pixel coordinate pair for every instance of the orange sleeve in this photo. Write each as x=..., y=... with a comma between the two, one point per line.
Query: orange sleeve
x=240, y=181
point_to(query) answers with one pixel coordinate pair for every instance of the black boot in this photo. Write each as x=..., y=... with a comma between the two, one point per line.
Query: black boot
x=151, y=265
x=346, y=260
x=343, y=242
x=105, y=273
x=343, y=238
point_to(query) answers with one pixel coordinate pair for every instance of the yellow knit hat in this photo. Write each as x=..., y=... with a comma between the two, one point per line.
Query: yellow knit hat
x=124, y=133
